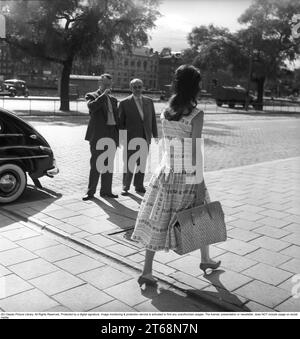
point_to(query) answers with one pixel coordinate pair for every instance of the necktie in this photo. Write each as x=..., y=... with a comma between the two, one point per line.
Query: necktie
x=140, y=106
x=110, y=113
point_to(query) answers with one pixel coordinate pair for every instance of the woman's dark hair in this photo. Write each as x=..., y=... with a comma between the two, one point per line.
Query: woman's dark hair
x=186, y=89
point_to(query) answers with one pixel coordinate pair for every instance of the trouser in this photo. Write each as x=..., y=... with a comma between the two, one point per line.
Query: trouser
x=106, y=176
x=138, y=172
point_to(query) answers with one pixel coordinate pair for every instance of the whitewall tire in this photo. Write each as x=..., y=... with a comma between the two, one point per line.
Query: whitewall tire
x=13, y=182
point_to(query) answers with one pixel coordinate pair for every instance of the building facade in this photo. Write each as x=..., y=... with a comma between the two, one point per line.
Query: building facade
x=141, y=63
x=124, y=66
x=167, y=66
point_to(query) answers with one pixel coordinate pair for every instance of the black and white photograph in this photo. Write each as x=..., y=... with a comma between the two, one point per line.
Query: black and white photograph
x=150, y=160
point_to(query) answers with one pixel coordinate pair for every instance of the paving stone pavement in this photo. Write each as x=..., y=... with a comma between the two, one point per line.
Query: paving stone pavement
x=41, y=272
x=260, y=260
x=231, y=140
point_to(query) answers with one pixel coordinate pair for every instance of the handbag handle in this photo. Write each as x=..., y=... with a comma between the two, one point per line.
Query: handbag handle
x=208, y=210
x=199, y=196
x=199, y=193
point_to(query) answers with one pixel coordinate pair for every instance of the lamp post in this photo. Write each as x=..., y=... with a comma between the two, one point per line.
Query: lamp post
x=250, y=67
x=2, y=27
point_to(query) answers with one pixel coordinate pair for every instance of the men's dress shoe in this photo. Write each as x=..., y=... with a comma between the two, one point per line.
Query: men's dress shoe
x=140, y=190
x=108, y=195
x=125, y=191
x=88, y=197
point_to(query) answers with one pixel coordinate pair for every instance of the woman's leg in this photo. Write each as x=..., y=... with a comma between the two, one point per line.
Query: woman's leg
x=148, y=265
x=205, y=254
x=205, y=257
x=206, y=261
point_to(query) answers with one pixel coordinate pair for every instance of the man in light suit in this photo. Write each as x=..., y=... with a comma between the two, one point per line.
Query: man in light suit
x=104, y=123
x=137, y=117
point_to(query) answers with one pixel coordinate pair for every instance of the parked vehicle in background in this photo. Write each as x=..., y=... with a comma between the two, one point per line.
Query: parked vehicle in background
x=233, y=96
x=22, y=151
x=166, y=93
x=19, y=85
x=6, y=90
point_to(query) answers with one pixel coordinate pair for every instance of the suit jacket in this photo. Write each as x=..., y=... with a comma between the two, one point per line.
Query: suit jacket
x=98, y=108
x=131, y=120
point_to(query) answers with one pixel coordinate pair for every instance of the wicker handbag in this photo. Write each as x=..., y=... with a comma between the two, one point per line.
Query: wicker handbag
x=200, y=226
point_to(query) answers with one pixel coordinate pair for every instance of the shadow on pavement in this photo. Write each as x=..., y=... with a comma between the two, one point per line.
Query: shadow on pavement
x=46, y=113
x=218, y=125
x=270, y=113
x=32, y=202
x=221, y=293
x=59, y=120
x=118, y=214
x=135, y=198
x=166, y=300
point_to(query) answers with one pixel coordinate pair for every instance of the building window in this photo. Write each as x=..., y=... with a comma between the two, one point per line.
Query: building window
x=145, y=64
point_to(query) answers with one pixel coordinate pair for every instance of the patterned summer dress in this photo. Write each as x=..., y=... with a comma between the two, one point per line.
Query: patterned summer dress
x=171, y=189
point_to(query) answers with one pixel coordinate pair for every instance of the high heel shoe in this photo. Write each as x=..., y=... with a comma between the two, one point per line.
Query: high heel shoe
x=212, y=266
x=147, y=281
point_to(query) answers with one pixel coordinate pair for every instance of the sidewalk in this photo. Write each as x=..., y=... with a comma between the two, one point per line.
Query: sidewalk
x=40, y=272
x=261, y=256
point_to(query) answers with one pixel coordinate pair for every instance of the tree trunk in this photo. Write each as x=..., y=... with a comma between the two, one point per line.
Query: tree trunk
x=64, y=85
x=260, y=94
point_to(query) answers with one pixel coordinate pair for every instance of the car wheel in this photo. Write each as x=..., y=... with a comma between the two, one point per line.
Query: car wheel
x=12, y=94
x=231, y=105
x=219, y=103
x=13, y=182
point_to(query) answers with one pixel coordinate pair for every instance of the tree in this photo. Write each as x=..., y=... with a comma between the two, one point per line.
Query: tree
x=214, y=50
x=257, y=52
x=60, y=31
x=189, y=55
x=208, y=47
x=269, y=34
x=166, y=51
x=296, y=84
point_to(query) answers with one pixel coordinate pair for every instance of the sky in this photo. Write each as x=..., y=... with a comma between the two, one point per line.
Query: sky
x=180, y=16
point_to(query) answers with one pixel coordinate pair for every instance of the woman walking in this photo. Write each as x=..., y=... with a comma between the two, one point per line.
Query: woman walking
x=173, y=189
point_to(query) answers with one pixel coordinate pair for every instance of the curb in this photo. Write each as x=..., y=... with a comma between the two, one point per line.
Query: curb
x=86, y=115
x=220, y=303
x=245, y=167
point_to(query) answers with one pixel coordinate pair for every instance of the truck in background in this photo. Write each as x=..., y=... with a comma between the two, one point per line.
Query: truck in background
x=233, y=96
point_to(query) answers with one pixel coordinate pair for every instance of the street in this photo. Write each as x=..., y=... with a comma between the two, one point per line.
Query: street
x=230, y=141
x=50, y=105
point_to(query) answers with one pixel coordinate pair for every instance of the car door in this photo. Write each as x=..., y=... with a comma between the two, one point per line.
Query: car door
x=10, y=134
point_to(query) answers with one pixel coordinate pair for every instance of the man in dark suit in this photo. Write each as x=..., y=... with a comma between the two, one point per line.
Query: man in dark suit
x=137, y=117
x=104, y=122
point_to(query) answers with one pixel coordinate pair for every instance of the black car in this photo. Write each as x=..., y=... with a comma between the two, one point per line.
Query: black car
x=22, y=151
x=7, y=90
x=19, y=85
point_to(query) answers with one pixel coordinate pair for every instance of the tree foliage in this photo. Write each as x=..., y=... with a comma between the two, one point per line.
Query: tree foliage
x=59, y=31
x=265, y=44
